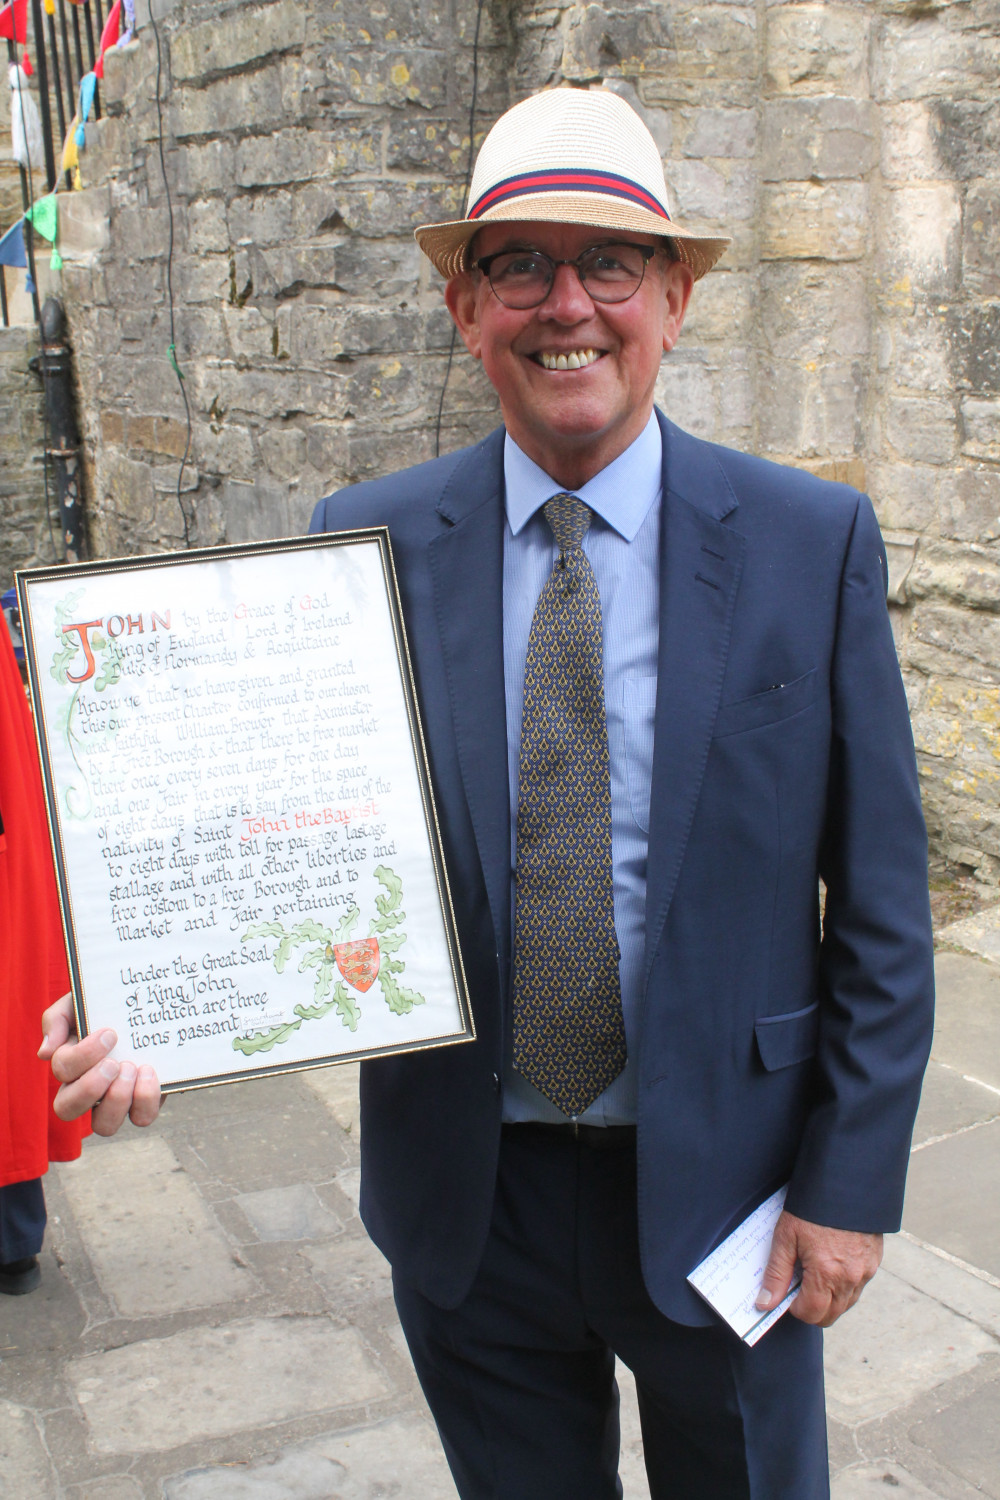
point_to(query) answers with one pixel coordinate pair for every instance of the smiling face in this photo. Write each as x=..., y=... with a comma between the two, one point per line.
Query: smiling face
x=572, y=421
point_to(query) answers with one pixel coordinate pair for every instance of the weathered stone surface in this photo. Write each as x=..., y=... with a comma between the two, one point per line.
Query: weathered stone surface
x=921, y=351
x=350, y=1270
x=686, y=392
x=283, y=450
x=24, y=538
x=820, y=409
x=981, y=240
x=964, y=575
x=974, y=337
x=921, y=245
x=288, y=1213
x=873, y=1360
x=869, y=1481
x=922, y=431
x=970, y=637
x=714, y=56
x=968, y=1445
x=720, y=308
x=937, y=1176
x=710, y=193
x=908, y=150
x=154, y=1246
x=818, y=139
x=398, y=1457
x=255, y=101
x=720, y=132
x=338, y=1089
x=230, y=41
x=814, y=222
x=970, y=504
x=812, y=312
x=254, y=510
x=625, y=40
x=981, y=427
x=949, y=1101
x=133, y=1405
x=24, y=1464
x=921, y=57
x=966, y=134
x=814, y=49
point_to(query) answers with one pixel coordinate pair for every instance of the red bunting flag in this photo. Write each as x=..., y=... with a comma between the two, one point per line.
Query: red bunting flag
x=14, y=21
x=109, y=36
x=112, y=27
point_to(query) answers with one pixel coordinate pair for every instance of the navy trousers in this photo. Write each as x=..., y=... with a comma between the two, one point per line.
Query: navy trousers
x=22, y=1220
x=520, y=1376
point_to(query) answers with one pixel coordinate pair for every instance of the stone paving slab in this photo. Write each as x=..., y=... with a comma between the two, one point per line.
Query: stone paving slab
x=979, y=934
x=295, y=1212
x=878, y=1482
x=966, y=1290
x=208, y=1382
x=25, y=1469
x=966, y=1438
x=152, y=1240
x=895, y=1344
x=942, y=1210
x=967, y=1028
x=951, y=1102
x=400, y=1458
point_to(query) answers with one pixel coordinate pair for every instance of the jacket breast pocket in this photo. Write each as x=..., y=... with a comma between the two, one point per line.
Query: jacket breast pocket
x=638, y=714
x=770, y=707
x=791, y=1038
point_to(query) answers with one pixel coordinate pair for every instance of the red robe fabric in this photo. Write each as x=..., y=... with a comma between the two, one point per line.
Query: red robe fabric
x=32, y=953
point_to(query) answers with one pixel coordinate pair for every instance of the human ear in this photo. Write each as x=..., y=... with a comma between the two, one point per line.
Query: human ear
x=462, y=300
x=678, y=280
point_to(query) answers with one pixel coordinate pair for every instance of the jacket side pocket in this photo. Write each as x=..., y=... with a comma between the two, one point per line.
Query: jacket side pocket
x=791, y=1038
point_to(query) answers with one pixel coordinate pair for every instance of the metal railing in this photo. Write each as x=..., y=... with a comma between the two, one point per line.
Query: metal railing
x=63, y=39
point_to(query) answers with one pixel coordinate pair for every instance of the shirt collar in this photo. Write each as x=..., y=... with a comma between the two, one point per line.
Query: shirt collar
x=621, y=494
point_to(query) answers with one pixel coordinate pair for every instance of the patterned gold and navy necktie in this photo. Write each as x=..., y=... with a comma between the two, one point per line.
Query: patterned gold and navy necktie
x=569, y=1033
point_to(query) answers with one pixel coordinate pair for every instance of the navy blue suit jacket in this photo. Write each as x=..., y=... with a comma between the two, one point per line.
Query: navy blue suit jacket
x=772, y=1049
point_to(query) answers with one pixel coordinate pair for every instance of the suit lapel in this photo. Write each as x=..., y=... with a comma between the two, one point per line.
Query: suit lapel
x=466, y=564
x=701, y=560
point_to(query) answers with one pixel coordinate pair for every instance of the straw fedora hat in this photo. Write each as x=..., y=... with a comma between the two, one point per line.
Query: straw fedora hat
x=569, y=156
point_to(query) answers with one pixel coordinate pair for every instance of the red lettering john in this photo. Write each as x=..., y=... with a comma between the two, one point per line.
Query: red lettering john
x=254, y=826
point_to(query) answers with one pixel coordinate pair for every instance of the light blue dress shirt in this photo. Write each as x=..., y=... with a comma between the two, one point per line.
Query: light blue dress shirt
x=623, y=547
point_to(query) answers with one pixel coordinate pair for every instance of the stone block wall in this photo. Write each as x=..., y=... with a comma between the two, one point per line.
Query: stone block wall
x=849, y=147
x=25, y=538
x=302, y=144
x=934, y=412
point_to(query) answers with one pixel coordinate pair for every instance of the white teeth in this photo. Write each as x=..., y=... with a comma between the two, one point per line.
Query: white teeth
x=577, y=359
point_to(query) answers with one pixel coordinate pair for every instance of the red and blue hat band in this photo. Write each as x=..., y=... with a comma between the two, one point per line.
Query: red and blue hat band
x=559, y=179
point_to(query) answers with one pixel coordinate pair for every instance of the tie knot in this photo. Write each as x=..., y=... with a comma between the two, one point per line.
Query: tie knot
x=569, y=517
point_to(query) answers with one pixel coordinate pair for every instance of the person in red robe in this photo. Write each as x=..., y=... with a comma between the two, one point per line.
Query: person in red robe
x=32, y=975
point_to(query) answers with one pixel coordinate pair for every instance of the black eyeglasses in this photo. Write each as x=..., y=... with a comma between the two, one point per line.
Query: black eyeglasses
x=608, y=273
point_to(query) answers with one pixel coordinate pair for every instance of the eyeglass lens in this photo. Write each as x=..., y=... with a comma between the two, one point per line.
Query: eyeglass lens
x=609, y=273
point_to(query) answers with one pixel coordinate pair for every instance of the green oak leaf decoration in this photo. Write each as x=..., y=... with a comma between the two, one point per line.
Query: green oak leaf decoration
x=360, y=963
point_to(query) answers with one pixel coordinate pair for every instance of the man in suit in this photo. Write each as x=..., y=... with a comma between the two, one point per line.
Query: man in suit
x=661, y=702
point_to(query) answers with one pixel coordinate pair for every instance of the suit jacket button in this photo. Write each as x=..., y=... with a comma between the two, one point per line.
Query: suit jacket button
x=496, y=1083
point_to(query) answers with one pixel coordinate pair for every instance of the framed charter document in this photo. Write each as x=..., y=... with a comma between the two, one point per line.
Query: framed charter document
x=246, y=849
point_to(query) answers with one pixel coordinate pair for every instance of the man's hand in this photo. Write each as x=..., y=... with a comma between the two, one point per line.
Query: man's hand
x=836, y=1266
x=91, y=1079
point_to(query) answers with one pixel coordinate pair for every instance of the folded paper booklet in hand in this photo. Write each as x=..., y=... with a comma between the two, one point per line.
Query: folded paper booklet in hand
x=730, y=1278
x=246, y=846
